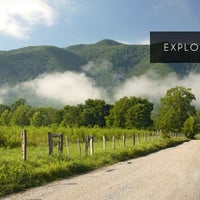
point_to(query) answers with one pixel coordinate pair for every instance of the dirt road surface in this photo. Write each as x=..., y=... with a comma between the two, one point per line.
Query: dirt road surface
x=170, y=174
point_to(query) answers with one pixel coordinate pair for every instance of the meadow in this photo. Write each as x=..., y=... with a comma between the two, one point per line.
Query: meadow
x=40, y=168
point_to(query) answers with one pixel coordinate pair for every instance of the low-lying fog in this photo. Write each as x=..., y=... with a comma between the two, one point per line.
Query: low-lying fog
x=74, y=88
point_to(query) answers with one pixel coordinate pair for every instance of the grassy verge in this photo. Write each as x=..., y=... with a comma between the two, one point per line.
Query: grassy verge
x=16, y=175
x=197, y=137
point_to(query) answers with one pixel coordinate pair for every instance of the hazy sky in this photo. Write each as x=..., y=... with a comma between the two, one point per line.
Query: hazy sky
x=68, y=22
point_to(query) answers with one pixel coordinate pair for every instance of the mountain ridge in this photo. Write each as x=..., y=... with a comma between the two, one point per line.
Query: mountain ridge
x=107, y=62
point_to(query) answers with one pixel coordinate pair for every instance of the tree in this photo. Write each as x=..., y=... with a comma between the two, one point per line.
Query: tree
x=19, y=102
x=176, y=108
x=72, y=115
x=116, y=117
x=197, y=122
x=57, y=116
x=130, y=112
x=3, y=107
x=94, y=112
x=21, y=116
x=37, y=119
x=139, y=116
x=5, y=117
x=46, y=116
x=188, y=127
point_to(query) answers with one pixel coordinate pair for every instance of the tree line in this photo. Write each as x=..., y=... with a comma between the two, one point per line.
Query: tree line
x=127, y=112
x=176, y=113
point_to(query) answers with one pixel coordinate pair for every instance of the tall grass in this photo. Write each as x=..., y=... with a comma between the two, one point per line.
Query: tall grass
x=40, y=168
x=10, y=136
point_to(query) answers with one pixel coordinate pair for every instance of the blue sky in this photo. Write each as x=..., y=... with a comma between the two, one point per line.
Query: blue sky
x=68, y=22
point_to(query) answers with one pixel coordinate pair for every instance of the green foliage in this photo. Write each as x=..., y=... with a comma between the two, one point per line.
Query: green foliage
x=5, y=117
x=37, y=136
x=37, y=119
x=124, y=61
x=188, y=127
x=3, y=107
x=10, y=137
x=197, y=137
x=46, y=116
x=17, y=103
x=21, y=116
x=94, y=113
x=72, y=115
x=118, y=112
x=197, y=122
x=139, y=116
x=175, y=109
x=27, y=63
x=130, y=112
x=91, y=114
x=2, y=140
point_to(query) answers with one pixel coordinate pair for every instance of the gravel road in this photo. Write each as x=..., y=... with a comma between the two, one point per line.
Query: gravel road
x=170, y=174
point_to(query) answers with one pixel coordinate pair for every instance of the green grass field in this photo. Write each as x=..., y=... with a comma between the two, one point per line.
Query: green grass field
x=40, y=168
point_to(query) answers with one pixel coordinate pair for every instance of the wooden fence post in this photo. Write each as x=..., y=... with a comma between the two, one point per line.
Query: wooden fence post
x=50, y=143
x=104, y=143
x=91, y=145
x=87, y=139
x=133, y=139
x=113, y=142
x=138, y=138
x=60, y=143
x=79, y=147
x=24, y=142
x=144, y=135
x=67, y=145
x=124, y=140
x=157, y=133
x=160, y=132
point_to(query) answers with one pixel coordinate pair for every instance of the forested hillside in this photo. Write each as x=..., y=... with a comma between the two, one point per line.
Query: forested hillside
x=27, y=63
x=107, y=63
x=128, y=60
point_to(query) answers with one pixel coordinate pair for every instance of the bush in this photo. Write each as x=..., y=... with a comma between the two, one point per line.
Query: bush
x=188, y=127
x=2, y=140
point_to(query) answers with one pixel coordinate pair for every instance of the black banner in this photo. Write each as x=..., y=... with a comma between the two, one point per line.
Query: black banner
x=175, y=47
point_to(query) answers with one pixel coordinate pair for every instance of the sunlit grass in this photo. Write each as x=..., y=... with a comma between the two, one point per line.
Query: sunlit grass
x=40, y=168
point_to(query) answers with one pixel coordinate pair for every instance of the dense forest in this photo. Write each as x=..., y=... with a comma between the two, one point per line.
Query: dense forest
x=176, y=114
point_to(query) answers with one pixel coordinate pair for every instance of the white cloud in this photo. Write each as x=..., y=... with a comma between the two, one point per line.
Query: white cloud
x=142, y=41
x=145, y=41
x=68, y=87
x=154, y=89
x=64, y=88
x=3, y=92
x=73, y=88
x=18, y=17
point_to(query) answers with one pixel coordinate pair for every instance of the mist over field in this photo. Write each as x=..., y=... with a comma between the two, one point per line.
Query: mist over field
x=154, y=89
x=73, y=88
x=61, y=88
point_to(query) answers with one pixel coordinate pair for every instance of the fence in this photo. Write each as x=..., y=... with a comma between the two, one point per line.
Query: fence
x=136, y=139
x=50, y=142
